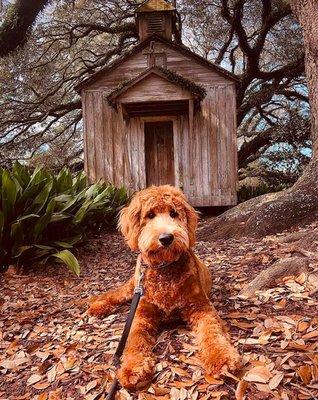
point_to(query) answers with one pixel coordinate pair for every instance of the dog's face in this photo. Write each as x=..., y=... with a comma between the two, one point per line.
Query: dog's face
x=160, y=223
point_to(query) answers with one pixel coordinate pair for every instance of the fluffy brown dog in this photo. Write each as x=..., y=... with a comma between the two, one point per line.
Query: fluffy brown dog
x=161, y=224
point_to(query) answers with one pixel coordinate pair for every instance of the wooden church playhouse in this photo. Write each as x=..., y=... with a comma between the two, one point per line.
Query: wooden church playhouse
x=161, y=114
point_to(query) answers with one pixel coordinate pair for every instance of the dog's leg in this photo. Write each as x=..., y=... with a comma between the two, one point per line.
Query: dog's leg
x=138, y=360
x=106, y=303
x=216, y=351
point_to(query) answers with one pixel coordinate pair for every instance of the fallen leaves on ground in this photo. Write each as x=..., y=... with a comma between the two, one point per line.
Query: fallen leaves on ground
x=50, y=349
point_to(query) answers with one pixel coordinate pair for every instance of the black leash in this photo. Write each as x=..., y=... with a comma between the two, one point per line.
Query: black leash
x=139, y=291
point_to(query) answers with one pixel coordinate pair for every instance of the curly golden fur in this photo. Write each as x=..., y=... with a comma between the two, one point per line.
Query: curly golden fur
x=160, y=223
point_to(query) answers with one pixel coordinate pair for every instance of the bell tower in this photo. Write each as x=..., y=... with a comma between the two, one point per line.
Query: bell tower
x=159, y=17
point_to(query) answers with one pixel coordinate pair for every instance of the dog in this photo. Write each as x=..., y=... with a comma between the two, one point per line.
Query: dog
x=161, y=225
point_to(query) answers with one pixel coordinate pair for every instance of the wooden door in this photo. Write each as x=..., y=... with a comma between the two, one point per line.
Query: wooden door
x=159, y=153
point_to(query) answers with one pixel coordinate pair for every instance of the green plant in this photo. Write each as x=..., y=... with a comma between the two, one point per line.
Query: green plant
x=44, y=215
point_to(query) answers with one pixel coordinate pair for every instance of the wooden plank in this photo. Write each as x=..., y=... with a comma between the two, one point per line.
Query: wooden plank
x=158, y=118
x=119, y=148
x=108, y=116
x=134, y=150
x=203, y=177
x=233, y=143
x=130, y=167
x=208, y=185
x=85, y=130
x=130, y=181
x=90, y=136
x=142, y=155
x=127, y=158
x=177, y=154
x=214, y=141
x=192, y=149
x=154, y=88
x=185, y=154
x=223, y=143
x=198, y=161
x=98, y=136
x=229, y=148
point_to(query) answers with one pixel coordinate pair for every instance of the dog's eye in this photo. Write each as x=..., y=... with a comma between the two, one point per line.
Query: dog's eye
x=173, y=214
x=151, y=215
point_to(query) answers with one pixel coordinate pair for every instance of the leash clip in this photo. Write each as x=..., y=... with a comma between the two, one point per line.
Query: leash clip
x=139, y=289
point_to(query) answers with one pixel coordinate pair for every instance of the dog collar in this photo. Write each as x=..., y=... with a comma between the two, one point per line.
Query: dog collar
x=157, y=266
x=161, y=265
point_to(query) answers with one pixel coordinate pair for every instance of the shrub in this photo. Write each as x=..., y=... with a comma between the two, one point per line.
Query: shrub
x=44, y=215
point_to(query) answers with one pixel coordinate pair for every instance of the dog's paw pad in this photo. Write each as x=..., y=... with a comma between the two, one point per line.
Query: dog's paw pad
x=221, y=362
x=137, y=377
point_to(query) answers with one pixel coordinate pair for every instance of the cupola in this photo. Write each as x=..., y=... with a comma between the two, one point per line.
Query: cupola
x=157, y=17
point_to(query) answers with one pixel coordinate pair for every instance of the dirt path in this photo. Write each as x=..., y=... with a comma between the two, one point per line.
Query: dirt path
x=50, y=349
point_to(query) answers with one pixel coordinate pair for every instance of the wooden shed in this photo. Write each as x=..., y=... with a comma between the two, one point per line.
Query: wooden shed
x=161, y=114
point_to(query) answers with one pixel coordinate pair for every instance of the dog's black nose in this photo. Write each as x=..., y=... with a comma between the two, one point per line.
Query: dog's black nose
x=166, y=239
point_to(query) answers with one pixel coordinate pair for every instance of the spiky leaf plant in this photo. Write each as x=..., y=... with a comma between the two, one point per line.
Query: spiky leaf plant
x=44, y=215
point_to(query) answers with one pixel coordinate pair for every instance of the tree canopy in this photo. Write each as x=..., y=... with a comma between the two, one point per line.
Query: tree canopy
x=257, y=40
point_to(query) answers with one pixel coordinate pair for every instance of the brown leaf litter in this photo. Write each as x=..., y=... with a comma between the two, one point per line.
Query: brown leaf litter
x=50, y=349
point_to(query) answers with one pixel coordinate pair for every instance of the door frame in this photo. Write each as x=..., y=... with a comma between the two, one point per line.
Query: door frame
x=176, y=149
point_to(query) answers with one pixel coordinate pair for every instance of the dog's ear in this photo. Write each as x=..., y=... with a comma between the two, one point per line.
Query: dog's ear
x=129, y=222
x=192, y=218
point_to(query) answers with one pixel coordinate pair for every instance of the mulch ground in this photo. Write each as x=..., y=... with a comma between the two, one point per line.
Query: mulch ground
x=50, y=348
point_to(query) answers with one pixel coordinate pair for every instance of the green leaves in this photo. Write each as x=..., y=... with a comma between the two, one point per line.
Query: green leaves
x=43, y=216
x=8, y=194
x=1, y=224
x=69, y=259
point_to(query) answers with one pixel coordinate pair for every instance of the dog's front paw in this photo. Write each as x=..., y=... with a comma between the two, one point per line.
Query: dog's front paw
x=100, y=308
x=136, y=373
x=222, y=358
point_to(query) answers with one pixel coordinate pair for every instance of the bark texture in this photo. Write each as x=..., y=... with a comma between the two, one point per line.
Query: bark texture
x=270, y=213
x=19, y=19
x=276, y=212
x=306, y=12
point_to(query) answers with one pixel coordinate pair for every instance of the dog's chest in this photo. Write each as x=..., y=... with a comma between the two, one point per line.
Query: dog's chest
x=166, y=290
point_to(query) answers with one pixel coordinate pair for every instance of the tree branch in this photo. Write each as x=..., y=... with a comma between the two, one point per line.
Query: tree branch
x=251, y=147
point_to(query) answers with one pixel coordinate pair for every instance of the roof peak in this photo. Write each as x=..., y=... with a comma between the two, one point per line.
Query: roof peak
x=155, y=5
x=165, y=73
x=139, y=46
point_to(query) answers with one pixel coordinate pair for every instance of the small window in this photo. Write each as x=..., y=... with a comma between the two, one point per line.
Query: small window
x=155, y=23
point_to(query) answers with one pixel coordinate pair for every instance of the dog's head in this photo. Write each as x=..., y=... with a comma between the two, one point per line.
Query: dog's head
x=160, y=223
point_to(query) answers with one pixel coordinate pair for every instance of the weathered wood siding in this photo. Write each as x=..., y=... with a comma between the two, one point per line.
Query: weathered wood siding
x=205, y=161
x=176, y=61
x=154, y=88
x=114, y=150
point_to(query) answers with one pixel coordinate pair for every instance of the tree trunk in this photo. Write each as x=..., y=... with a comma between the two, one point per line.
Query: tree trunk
x=306, y=12
x=269, y=277
x=18, y=21
x=276, y=212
